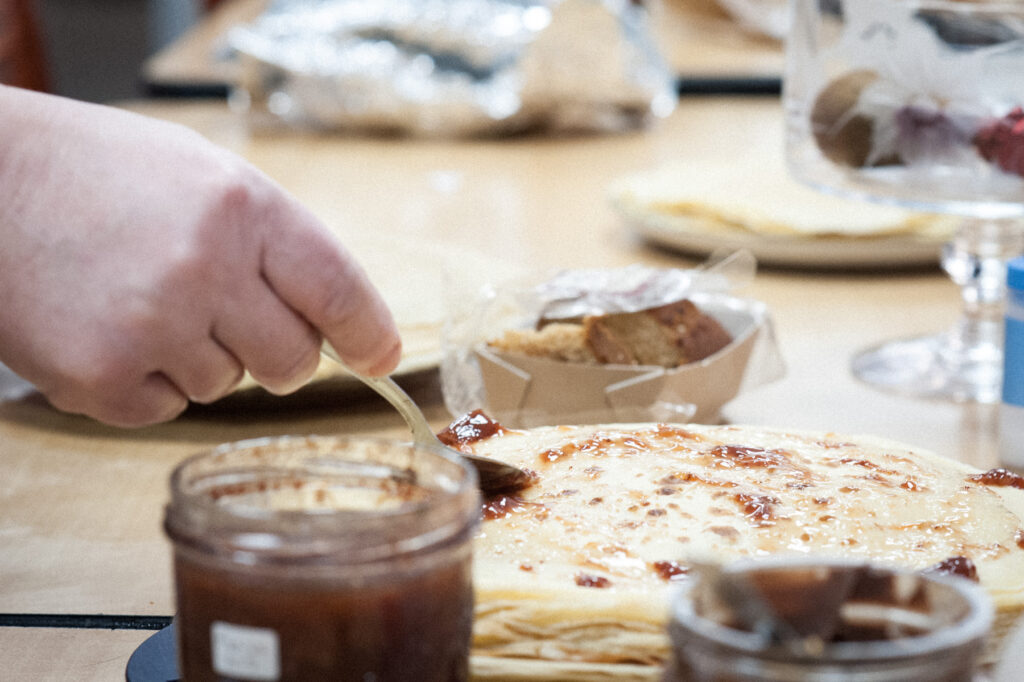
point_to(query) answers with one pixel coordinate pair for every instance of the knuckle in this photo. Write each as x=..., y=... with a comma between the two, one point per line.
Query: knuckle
x=151, y=402
x=238, y=191
x=213, y=388
x=284, y=372
x=108, y=383
x=135, y=413
x=121, y=406
x=164, y=412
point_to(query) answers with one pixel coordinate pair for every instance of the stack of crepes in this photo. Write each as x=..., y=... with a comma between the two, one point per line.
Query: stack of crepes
x=574, y=574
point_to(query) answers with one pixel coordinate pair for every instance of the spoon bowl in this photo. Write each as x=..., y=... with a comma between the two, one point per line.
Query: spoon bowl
x=494, y=476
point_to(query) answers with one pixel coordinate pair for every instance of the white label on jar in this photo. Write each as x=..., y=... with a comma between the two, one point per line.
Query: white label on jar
x=245, y=652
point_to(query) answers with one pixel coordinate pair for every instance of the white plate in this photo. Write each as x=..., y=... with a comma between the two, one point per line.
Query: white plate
x=688, y=235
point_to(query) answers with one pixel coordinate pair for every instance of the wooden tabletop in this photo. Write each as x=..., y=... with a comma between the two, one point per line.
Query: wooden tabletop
x=81, y=504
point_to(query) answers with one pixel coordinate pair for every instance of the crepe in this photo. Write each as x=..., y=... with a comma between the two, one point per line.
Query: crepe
x=758, y=195
x=573, y=575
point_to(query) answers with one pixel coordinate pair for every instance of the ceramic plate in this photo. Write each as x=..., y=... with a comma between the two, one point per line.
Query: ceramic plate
x=688, y=235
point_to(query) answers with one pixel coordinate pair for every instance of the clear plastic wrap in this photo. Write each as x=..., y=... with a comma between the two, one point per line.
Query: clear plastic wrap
x=522, y=391
x=453, y=67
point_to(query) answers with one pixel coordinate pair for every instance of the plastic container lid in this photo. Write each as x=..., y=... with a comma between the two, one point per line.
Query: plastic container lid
x=1015, y=273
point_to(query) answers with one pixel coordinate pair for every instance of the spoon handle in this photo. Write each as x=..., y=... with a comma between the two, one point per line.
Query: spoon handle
x=422, y=434
x=492, y=474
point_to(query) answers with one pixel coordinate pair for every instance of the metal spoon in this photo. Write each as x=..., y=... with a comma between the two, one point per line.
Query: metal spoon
x=805, y=626
x=494, y=476
x=744, y=603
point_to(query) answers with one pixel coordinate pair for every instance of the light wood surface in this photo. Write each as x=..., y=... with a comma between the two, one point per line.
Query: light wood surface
x=200, y=57
x=61, y=655
x=81, y=504
x=697, y=38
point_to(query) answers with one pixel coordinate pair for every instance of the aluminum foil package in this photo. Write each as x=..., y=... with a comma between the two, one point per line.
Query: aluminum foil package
x=453, y=67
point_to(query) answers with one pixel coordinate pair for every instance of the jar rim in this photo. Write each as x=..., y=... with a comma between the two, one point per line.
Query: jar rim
x=197, y=514
x=971, y=628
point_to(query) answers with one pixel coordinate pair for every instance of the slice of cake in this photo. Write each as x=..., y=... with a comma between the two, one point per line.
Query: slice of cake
x=670, y=335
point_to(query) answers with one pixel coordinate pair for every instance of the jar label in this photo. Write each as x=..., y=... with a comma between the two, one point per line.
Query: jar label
x=245, y=652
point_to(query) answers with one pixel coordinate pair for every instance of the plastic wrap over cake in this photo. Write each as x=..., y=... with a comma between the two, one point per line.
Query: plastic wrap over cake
x=453, y=67
x=522, y=388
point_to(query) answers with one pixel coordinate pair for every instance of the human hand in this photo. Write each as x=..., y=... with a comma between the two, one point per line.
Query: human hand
x=142, y=267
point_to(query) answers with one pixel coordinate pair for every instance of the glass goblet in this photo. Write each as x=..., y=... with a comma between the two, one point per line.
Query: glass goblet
x=918, y=103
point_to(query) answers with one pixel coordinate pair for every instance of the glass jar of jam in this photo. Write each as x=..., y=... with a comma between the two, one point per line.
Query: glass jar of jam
x=814, y=620
x=323, y=558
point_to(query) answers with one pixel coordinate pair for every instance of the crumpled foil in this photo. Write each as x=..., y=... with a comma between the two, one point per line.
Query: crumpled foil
x=453, y=67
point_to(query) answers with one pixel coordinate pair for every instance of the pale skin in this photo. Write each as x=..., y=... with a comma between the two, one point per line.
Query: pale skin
x=142, y=267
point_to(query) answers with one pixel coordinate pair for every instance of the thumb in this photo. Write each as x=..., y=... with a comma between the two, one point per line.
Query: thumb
x=314, y=274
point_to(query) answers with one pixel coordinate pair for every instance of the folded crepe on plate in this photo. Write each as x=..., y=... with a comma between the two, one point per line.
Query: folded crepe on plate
x=758, y=196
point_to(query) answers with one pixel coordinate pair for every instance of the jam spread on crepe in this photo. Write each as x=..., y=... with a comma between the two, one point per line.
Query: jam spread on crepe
x=999, y=477
x=669, y=570
x=956, y=565
x=469, y=428
x=585, y=580
x=500, y=505
x=810, y=499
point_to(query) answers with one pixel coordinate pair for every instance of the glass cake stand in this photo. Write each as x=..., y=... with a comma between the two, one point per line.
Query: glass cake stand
x=918, y=103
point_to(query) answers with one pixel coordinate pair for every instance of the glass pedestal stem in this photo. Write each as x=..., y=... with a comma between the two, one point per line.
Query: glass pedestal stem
x=963, y=364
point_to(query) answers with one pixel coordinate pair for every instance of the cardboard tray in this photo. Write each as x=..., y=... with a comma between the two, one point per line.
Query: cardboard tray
x=526, y=391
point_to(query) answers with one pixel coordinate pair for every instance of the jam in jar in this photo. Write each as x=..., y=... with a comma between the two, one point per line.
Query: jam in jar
x=315, y=558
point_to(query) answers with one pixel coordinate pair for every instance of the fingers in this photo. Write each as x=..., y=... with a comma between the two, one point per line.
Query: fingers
x=153, y=400
x=117, y=390
x=278, y=347
x=204, y=371
x=334, y=294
